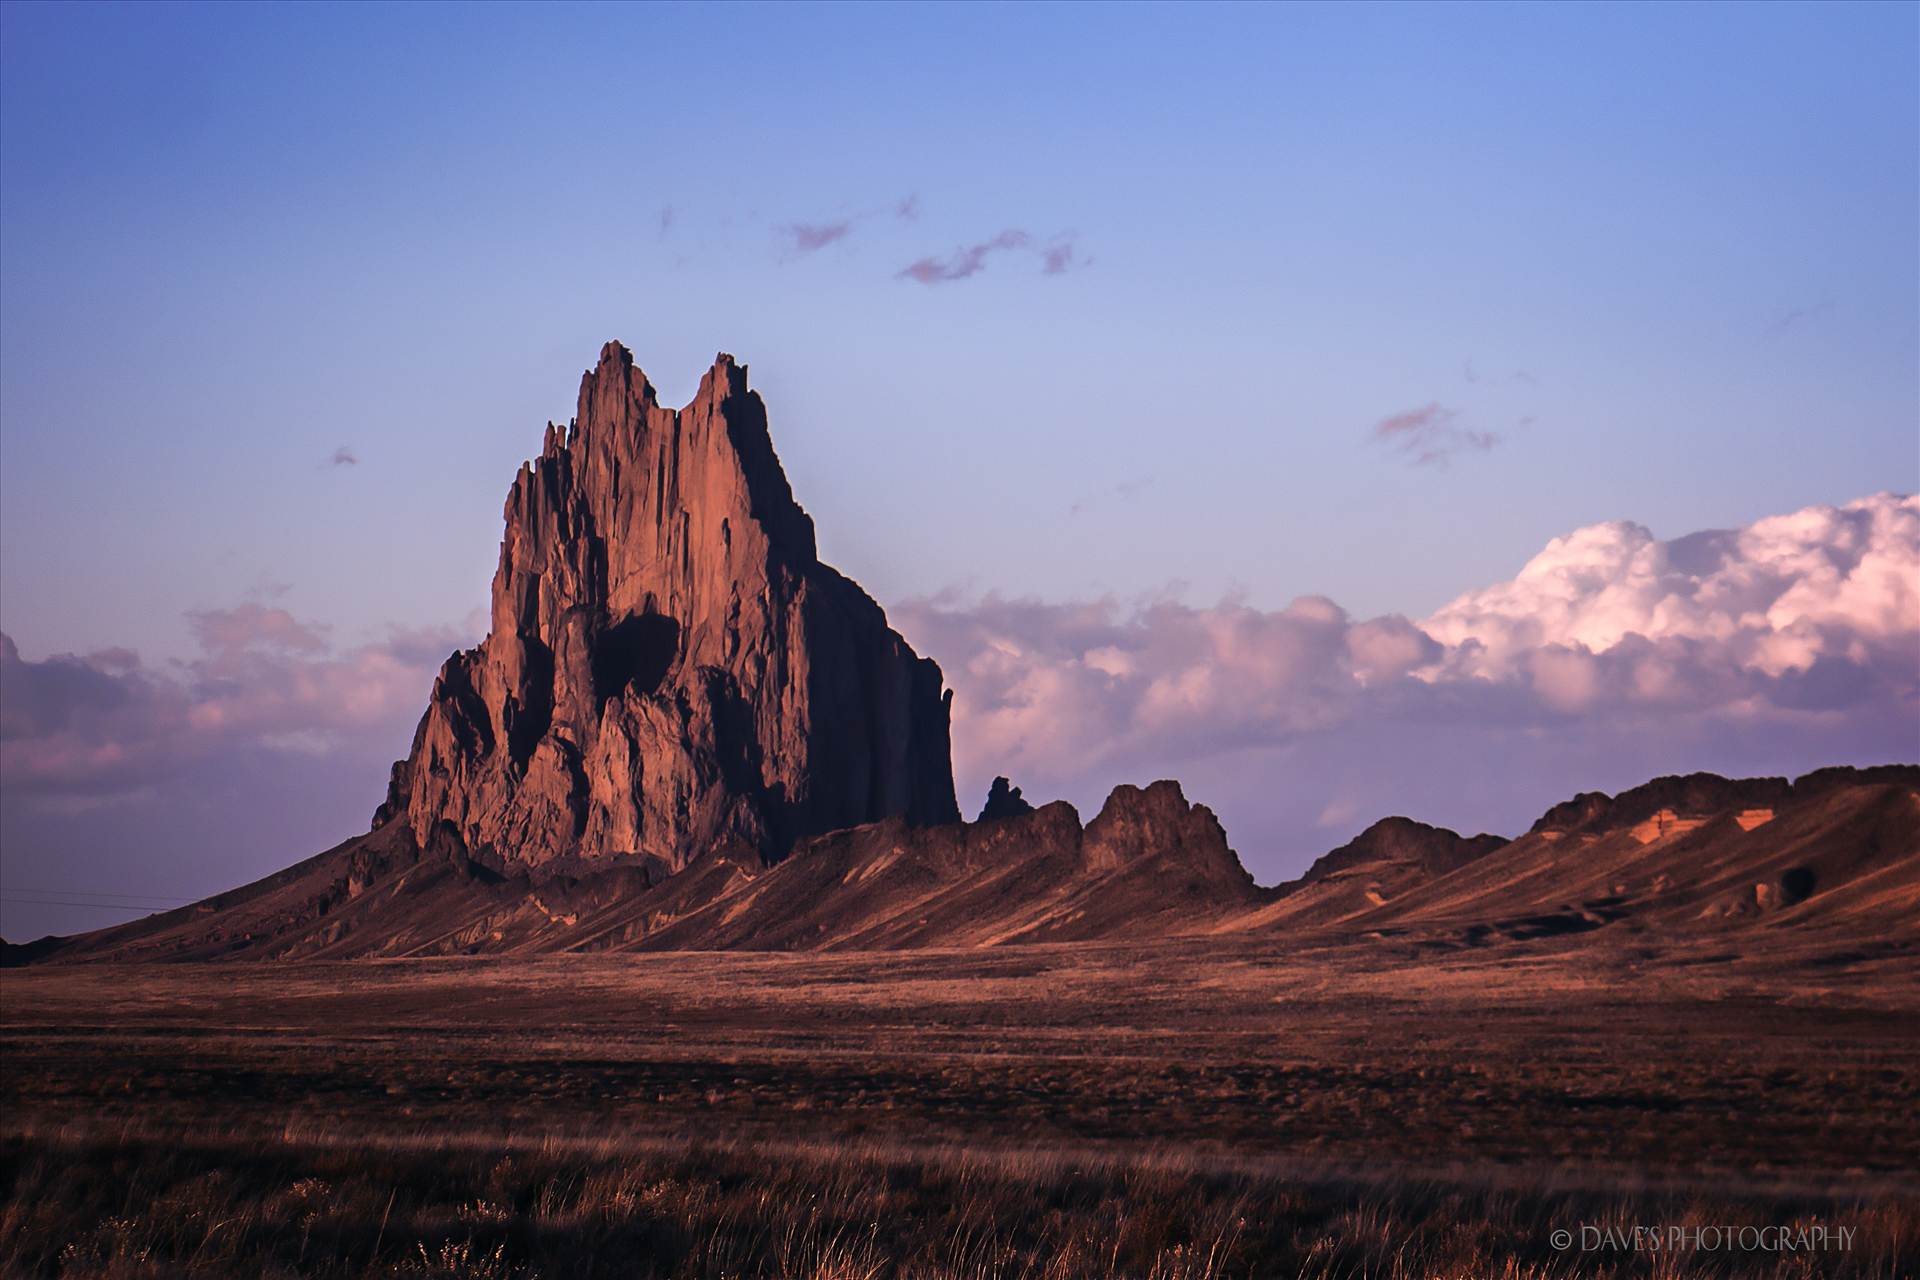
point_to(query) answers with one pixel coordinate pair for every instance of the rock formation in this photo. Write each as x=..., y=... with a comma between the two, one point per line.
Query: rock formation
x=1386, y=860
x=1150, y=864
x=1837, y=861
x=684, y=731
x=1401, y=844
x=1698, y=794
x=1003, y=801
x=670, y=670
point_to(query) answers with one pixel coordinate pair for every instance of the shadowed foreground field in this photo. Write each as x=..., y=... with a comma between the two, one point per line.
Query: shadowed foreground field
x=1193, y=1109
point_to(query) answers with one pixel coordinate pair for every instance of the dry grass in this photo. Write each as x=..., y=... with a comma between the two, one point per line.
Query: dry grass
x=1190, y=1111
x=135, y=1204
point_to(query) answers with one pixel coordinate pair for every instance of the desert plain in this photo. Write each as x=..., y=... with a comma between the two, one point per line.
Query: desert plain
x=1194, y=1107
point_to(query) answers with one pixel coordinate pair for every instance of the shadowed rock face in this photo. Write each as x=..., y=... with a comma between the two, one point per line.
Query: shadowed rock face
x=670, y=670
x=1423, y=850
x=1003, y=801
x=1596, y=812
x=1151, y=864
x=1837, y=864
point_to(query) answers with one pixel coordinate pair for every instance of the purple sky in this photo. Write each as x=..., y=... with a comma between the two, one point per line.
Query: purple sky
x=1246, y=395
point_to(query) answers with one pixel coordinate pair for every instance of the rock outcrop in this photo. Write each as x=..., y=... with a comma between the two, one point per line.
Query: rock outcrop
x=1150, y=864
x=1402, y=848
x=684, y=731
x=671, y=670
x=1837, y=865
x=1388, y=859
x=1667, y=801
x=1003, y=801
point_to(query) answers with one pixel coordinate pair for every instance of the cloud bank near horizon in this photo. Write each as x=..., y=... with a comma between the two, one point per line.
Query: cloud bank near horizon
x=1610, y=657
x=1795, y=639
x=105, y=725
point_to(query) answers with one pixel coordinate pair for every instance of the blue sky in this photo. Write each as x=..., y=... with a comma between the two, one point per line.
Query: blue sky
x=1664, y=256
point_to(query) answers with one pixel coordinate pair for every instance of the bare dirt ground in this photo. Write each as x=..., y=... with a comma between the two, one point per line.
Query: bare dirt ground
x=1779, y=1086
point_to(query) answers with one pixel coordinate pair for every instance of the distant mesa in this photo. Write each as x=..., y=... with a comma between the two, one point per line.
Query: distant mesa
x=685, y=731
x=1672, y=805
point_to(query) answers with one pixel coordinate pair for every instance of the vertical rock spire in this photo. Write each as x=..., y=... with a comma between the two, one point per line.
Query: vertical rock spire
x=670, y=667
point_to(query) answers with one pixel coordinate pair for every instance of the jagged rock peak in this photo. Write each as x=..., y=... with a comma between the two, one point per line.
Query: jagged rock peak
x=1003, y=801
x=1155, y=825
x=670, y=668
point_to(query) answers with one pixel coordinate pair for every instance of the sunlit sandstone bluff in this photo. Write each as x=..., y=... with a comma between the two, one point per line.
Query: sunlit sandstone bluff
x=671, y=668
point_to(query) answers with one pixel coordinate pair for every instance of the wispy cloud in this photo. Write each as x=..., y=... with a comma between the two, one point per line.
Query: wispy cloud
x=1057, y=256
x=811, y=237
x=1431, y=434
x=1797, y=315
x=343, y=457
x=964, y=262
x=1060, y=257
x=225, y=632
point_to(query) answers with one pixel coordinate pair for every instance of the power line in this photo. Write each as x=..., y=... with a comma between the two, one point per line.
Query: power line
x=90, y=893
x=97, y=906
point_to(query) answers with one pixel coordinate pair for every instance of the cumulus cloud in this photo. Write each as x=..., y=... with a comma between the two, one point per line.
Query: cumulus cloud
x=1798, y=636
x=1108, y=685
x=1611, y=656
x=1431, y=434
x=105, y=724
x=1778, y=596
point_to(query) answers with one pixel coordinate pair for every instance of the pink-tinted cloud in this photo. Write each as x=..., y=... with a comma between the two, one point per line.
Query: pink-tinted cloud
x=105, y=723
x=1057, y=257
x=1776, y=596
x=1609, y=657
x=1792, y=643
x=1060, y=257
x=226, y=632
x=964, y=262
x=1431, y=434
x=810, y=237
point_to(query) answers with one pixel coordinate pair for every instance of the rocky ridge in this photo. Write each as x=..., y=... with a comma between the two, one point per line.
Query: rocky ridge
x=684, y=731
